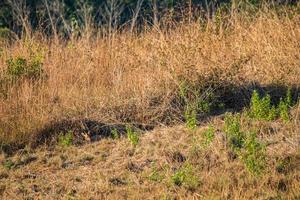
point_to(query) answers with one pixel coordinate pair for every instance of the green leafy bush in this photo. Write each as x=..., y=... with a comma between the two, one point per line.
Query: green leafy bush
x=284, y=106
x=185, y=177
x=18, y=67
x=114, y=134
x=5, y=35
x=254, y=154
x=232, y=128
x=65, y=140
x=8, y=164
x=190, y=115
x=195, y=102
x=155, y=176
x=261, y=108
x=208, y=135
x=133, y=137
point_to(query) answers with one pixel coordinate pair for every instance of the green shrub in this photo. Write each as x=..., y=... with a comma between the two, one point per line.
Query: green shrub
x=155, y=176
x=133, y=137
x=195, y=102
x=114, y=134
x=190, y=115
x=254, y=155
x=232, y=129
x=18, y=67
x=284, y=106
x=8, y=164
x=208, y=135
x=5, y=35
x=261, y=108
x=185, y=177
x=65, y=140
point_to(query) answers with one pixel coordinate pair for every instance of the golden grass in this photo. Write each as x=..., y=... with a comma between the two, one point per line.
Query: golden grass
x=135, y=78
x=114, y=169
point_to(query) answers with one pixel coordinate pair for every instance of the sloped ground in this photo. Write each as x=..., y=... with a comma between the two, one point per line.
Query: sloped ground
x=139, y=79
x=167, y=163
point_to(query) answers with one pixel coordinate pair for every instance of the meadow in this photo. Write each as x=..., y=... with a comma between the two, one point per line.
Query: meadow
x=203, y=109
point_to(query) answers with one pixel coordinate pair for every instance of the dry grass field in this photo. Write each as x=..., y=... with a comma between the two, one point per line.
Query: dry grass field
x=146, y=115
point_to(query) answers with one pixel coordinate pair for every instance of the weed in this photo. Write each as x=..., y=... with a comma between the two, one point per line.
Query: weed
x=254, y=155
x=178, y=177
x=18, y=67
x=208, y=135
x=133, y=137
x=261, y=108
x=252, y=152
x=5, y=34
x=65, y=140
x=190, y=116
x=194, y=103
x=284, y=106
x=114, y=134
x=155, y=176
x=8, y=164
x=232, y=128
x=185, y=177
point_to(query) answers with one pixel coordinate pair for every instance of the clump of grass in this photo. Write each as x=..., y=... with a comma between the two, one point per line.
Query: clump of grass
x=65, y=140
x=132, y=136
x=185, y=177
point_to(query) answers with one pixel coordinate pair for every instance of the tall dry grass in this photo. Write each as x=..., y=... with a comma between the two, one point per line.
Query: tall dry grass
x=136, y=77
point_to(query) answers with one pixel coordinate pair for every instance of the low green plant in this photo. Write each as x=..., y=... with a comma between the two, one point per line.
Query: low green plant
x=284, y=106
x=5, y=35
x=250, y=150
x=254, y=155
x=185, y=177
x=114, y=134
x=8, y=164
x=261, y=108
x=133, y=137
x=155, y=176
x=190, y=115
x=195, y=102
x=18, y=67
x=232, y=129
x=208, y=135
x=65, y=140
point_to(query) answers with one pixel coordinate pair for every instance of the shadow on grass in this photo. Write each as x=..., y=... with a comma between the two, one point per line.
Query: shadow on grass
x=234, y=98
